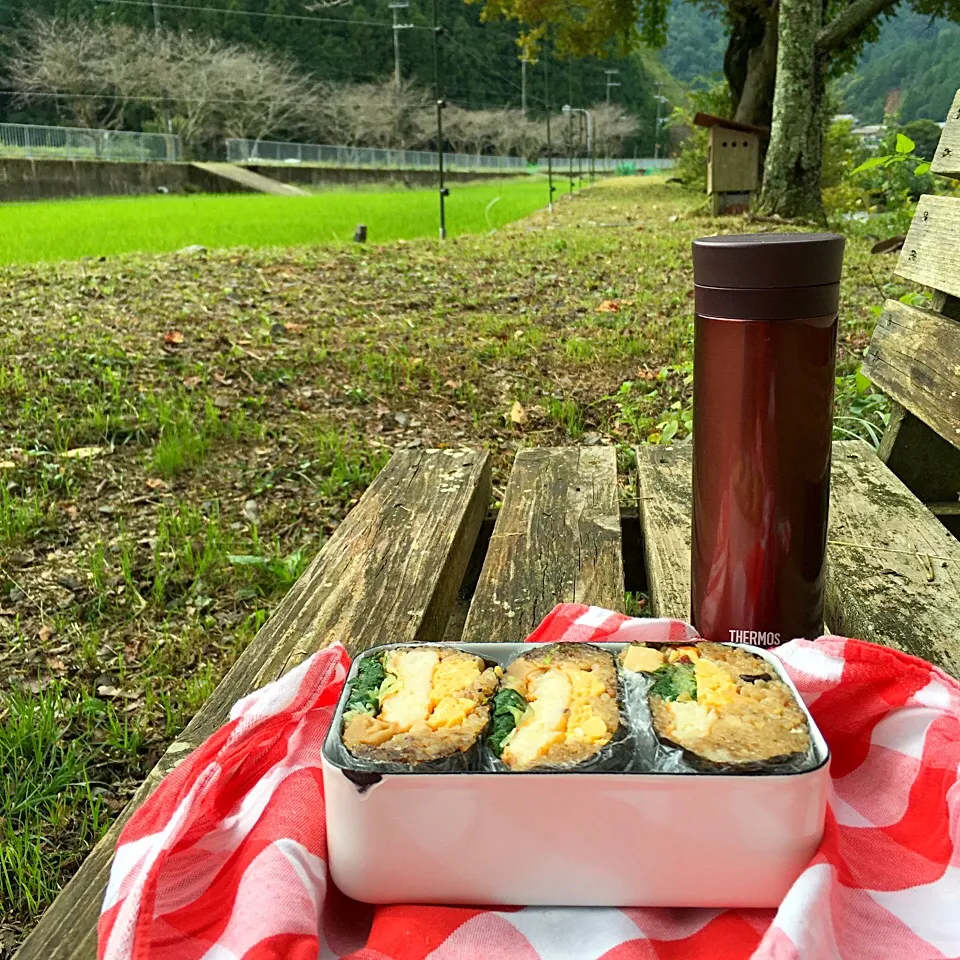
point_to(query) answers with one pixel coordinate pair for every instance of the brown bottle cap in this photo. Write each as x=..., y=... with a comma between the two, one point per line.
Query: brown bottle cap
x=768, y=276
x=754, y=261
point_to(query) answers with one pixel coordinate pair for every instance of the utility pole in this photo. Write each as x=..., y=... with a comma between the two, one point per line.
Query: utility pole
x=523, y=85
x=610, y=82
x=546, y=102
x=444, y=192
x=397, y=27
x=566, y=110
x=168, y=123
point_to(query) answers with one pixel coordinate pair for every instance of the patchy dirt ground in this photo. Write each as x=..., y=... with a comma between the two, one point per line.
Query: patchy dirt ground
x=181, y=432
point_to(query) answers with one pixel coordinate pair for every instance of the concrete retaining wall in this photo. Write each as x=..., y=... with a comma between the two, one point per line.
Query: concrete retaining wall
x=22, y=179
x=304, y=174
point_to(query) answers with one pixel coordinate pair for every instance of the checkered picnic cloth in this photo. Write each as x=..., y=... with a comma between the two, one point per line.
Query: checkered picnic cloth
x=226, y=859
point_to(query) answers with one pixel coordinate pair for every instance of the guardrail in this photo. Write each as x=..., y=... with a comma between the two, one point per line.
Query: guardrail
x=79, y=143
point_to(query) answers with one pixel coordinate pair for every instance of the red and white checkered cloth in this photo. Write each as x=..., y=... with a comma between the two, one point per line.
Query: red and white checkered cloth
x=226, y=859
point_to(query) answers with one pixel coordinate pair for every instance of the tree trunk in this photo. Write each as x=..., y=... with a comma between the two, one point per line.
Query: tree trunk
x=750, y=65
x=791, y=178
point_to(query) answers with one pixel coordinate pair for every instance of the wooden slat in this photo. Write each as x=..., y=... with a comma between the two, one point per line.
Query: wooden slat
x=914, y=356
x=946, y=161
x=665, y=498
x=893, y=570
x=931, y=252
x=390, y=573
x=557, y=540
x=901, y=586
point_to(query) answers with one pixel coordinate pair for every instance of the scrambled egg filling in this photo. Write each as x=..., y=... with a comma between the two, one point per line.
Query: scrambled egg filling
x=716, y=687
x=424, y=689
x=560, y=710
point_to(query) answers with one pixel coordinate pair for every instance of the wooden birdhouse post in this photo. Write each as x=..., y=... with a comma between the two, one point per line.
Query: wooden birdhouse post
x=733, y=162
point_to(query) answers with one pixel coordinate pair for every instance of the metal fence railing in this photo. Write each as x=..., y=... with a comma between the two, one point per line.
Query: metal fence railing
x=78, y=143
x=606, y=164
x=272, y=151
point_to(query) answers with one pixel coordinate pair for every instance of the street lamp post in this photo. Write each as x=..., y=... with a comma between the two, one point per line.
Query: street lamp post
x=661, y=100
x=569, y=111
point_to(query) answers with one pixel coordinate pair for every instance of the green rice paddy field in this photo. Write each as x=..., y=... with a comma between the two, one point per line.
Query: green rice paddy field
x=68, y=229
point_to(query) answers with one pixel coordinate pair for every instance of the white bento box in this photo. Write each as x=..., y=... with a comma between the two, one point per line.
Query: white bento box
x=571, y=838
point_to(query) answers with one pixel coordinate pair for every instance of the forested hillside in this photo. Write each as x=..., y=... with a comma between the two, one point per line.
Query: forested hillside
x=696, y=40
x=353, y=42
x=916, y=54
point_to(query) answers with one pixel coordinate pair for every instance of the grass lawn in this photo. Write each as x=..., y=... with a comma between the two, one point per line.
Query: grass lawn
x=68, y=229
x=180, y=433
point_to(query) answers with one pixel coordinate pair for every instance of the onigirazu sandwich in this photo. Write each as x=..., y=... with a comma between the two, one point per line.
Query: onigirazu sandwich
x=722, y=705
x=557, y=706
x=419, y=704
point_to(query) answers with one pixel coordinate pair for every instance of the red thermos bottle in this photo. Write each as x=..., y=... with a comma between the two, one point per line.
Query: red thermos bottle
x=763, y=378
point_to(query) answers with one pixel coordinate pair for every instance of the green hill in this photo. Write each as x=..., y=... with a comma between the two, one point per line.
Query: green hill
x=916, y=54
x=919, y=55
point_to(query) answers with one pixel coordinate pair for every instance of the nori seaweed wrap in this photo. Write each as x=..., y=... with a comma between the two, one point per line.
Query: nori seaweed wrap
x=419, y=705
x=557, y=707
x=724, y=707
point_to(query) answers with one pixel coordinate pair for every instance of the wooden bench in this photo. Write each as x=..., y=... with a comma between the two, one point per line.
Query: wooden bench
x=422, y=558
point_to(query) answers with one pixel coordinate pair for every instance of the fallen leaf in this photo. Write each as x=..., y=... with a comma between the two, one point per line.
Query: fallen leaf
x=517, y=414
x=46, y=634
x=452, y=384
x=155, y=483
x=7, y=465
x=609, y=306
x=295, y=327
x=250, y=511
x=173, y=337
x=83, y=453
x=110, y=691
x=191, y=383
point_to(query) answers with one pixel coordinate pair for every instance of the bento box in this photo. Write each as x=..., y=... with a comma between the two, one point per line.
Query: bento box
x=637, y=821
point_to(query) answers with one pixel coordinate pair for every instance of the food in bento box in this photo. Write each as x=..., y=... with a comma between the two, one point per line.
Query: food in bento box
x=556, y=706
x=721, y=705
x=414, y=705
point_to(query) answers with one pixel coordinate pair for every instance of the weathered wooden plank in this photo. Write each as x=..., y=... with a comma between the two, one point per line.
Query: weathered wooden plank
x=946, y=161
x=557, y=540
x=664, y=475
x=931, y=252
x=914, y=356
x=893, y=570
x=390, y=573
